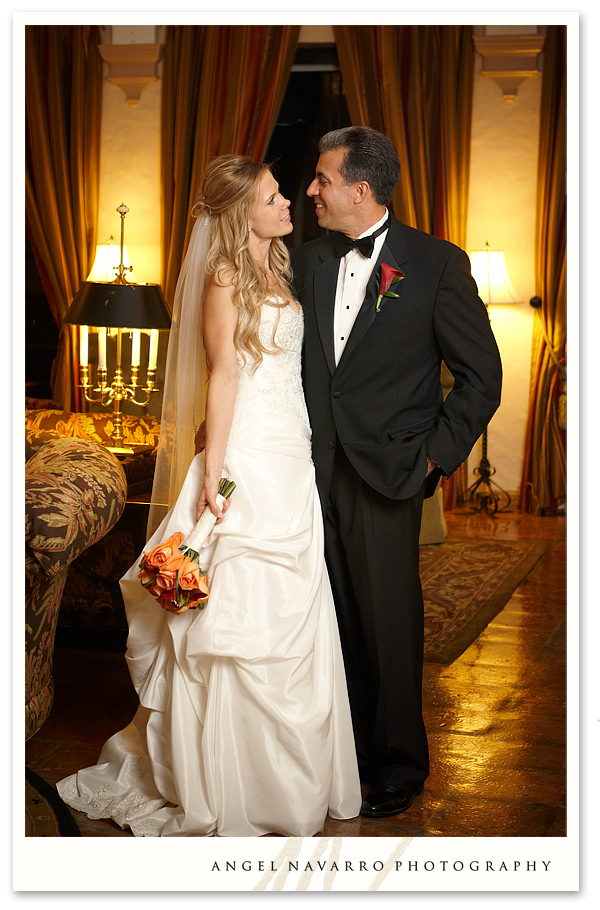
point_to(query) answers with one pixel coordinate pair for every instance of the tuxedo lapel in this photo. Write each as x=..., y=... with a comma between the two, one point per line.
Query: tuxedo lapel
x=325, y=284
x=394, y=241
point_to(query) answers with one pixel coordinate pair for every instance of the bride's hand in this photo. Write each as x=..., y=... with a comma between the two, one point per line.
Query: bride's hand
x=208, y=498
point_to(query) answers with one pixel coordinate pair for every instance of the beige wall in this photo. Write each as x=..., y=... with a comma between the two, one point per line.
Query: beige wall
x=130, y=173
x=129, y=164
x=502, y=199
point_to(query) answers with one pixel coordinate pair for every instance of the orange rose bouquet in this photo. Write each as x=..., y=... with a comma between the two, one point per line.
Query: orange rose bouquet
x=171, y=570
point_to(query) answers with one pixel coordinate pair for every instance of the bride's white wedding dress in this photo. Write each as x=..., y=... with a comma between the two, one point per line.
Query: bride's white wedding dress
x=244, y=727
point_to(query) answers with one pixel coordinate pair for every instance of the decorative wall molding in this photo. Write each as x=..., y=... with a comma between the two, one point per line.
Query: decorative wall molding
x=132, y=67
x=509, y=60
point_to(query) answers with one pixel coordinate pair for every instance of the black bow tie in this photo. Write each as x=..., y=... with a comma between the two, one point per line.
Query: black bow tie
x=364, y=245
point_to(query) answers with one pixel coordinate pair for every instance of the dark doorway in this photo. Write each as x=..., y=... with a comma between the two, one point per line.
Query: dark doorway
x=41, y=331
x=314, y=103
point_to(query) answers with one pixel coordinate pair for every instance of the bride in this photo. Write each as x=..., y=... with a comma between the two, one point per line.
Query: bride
x=244, y=726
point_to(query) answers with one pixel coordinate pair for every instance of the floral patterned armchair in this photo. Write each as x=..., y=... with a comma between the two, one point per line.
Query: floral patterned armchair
x=43, y=423
x=75, y=492
x=92, y=598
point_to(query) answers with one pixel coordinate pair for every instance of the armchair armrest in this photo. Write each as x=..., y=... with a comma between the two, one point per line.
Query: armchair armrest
x=75, y=491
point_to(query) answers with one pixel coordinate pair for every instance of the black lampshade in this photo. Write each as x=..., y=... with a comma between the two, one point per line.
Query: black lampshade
x=132, y=306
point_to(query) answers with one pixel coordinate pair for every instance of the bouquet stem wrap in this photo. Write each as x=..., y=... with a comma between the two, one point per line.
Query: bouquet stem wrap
x=198, y=536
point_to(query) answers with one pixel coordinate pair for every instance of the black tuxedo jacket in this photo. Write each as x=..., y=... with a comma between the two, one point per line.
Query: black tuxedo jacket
x=384, y=399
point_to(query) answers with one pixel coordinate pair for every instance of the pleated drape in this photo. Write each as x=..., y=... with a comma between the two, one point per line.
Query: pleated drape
x=63, y=97
x=415, y=84
x=543, y=480
x=222, y=90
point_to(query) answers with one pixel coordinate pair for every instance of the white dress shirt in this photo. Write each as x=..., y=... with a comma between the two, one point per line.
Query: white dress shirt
x=353, y=277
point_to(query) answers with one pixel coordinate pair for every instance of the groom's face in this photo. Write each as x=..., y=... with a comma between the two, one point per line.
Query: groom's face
x=334, y=201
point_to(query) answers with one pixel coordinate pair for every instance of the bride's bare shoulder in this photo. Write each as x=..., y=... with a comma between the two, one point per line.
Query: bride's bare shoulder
x=225, y=279
x=218, y=300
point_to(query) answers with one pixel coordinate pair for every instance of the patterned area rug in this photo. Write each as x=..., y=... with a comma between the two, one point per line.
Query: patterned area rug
x=465, y=585
x=45, y=813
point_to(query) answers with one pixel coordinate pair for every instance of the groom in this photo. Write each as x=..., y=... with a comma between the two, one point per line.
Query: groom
x=382, y=434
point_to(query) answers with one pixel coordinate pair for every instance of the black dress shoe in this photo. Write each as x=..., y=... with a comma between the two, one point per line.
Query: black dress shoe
x=384, y=801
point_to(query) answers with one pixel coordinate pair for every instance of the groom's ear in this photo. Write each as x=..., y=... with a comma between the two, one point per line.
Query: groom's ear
x=362, y=192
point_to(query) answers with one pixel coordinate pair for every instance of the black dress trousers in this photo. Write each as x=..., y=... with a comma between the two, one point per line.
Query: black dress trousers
x=372, y=553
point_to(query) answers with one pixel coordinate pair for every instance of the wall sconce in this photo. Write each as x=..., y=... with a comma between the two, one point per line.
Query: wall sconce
x=125, y=307
x=489, y=271
x=509, y=60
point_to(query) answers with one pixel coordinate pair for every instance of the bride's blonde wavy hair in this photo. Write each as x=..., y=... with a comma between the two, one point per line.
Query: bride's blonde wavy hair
x=228, y=191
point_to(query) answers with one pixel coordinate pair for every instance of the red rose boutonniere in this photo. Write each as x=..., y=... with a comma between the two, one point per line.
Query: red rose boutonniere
x=385, y=280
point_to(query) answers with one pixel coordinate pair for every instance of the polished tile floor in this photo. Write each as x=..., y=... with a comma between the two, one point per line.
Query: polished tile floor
x=495, y=717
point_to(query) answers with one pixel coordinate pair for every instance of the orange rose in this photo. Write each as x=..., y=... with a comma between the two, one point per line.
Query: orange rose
x=170, y=602
x=163, y=587
x=162, y=553
x=189, y=579
x=200, y=595
x=163, y=582
x=166, y=577
x=176, y=563
x=146, y=578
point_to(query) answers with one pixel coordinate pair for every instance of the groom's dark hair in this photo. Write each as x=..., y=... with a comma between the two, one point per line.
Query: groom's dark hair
x=370, y=156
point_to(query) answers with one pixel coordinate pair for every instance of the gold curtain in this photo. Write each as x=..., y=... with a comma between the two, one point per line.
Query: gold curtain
x=222, y=90
x=415, y=84
x=543, y=481
x=63, y=97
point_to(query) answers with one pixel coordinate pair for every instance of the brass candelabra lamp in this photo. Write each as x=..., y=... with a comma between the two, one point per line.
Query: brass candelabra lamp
x=117, y=391
x=124, y=308
x=485, y=495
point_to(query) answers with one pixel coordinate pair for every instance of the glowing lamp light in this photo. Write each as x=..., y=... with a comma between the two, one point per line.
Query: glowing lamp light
x=495, y=287
x=107, y=261
x=112, y=305
x=489, y=271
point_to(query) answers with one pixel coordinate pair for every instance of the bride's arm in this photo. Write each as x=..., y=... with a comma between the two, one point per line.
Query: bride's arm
x=220, y=318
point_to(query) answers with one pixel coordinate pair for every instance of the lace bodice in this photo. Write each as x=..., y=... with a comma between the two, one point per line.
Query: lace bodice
x=276, y=384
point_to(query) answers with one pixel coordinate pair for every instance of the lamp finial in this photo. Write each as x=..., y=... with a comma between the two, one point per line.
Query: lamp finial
x=121, y=268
